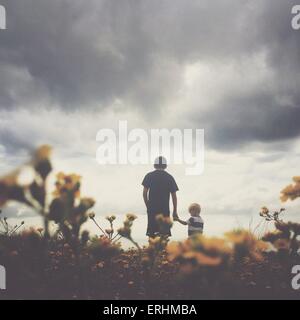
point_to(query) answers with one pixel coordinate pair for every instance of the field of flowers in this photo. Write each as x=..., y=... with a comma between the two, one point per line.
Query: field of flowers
x=69, y=263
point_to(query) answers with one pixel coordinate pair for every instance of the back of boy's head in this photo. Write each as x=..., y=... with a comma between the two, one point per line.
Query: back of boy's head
x=160, y=163
x=195, y=207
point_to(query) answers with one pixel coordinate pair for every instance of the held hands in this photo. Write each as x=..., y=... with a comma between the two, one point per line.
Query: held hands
x=175, y=216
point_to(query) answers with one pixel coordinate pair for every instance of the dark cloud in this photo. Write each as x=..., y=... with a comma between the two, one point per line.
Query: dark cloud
x=76, y=54
x=245, y=119
x=271, y=112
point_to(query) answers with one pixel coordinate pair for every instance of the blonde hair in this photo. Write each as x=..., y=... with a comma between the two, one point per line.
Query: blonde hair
x=195, y=207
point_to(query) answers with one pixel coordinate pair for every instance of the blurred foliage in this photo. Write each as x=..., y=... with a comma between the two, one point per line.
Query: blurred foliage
x=67, y=263
x=292, y=191
x=6, y=228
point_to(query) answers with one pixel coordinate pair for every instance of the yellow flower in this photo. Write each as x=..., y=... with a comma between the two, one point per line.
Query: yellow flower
x=245, y=244
x=292, y=191
x=213, y=245
x=154, y=240
x=282, y=244
x=131, y=217
x=43, y=153
x=174, y=250
x=10, y=190
x=109, y=231
x=111, y=218
x=125, y=232
x=10, y=179
x=92, y=215
x=204, y=251
x=203, y=259
x=296, y=179
x=264, y=210
x=164, y=222
x=66, y=184
x=87, y=203
x=100, y=265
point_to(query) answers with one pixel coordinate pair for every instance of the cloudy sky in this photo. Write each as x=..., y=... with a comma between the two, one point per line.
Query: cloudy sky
x=71, y=67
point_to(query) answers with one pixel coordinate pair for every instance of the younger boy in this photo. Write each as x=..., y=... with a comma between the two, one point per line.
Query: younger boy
x=195, y=222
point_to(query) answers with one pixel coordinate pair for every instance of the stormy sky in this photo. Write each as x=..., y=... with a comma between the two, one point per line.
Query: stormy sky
x=71, y=67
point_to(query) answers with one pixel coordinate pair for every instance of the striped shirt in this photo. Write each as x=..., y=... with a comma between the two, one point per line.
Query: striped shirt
x=195, y=225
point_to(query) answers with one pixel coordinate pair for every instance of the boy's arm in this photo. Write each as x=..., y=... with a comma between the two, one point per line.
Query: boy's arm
x=174, y=200
x=145, y=196
x=180, y=221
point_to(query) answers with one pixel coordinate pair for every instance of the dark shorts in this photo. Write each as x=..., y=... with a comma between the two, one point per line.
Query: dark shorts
x=154, y=228
x=193, y=232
